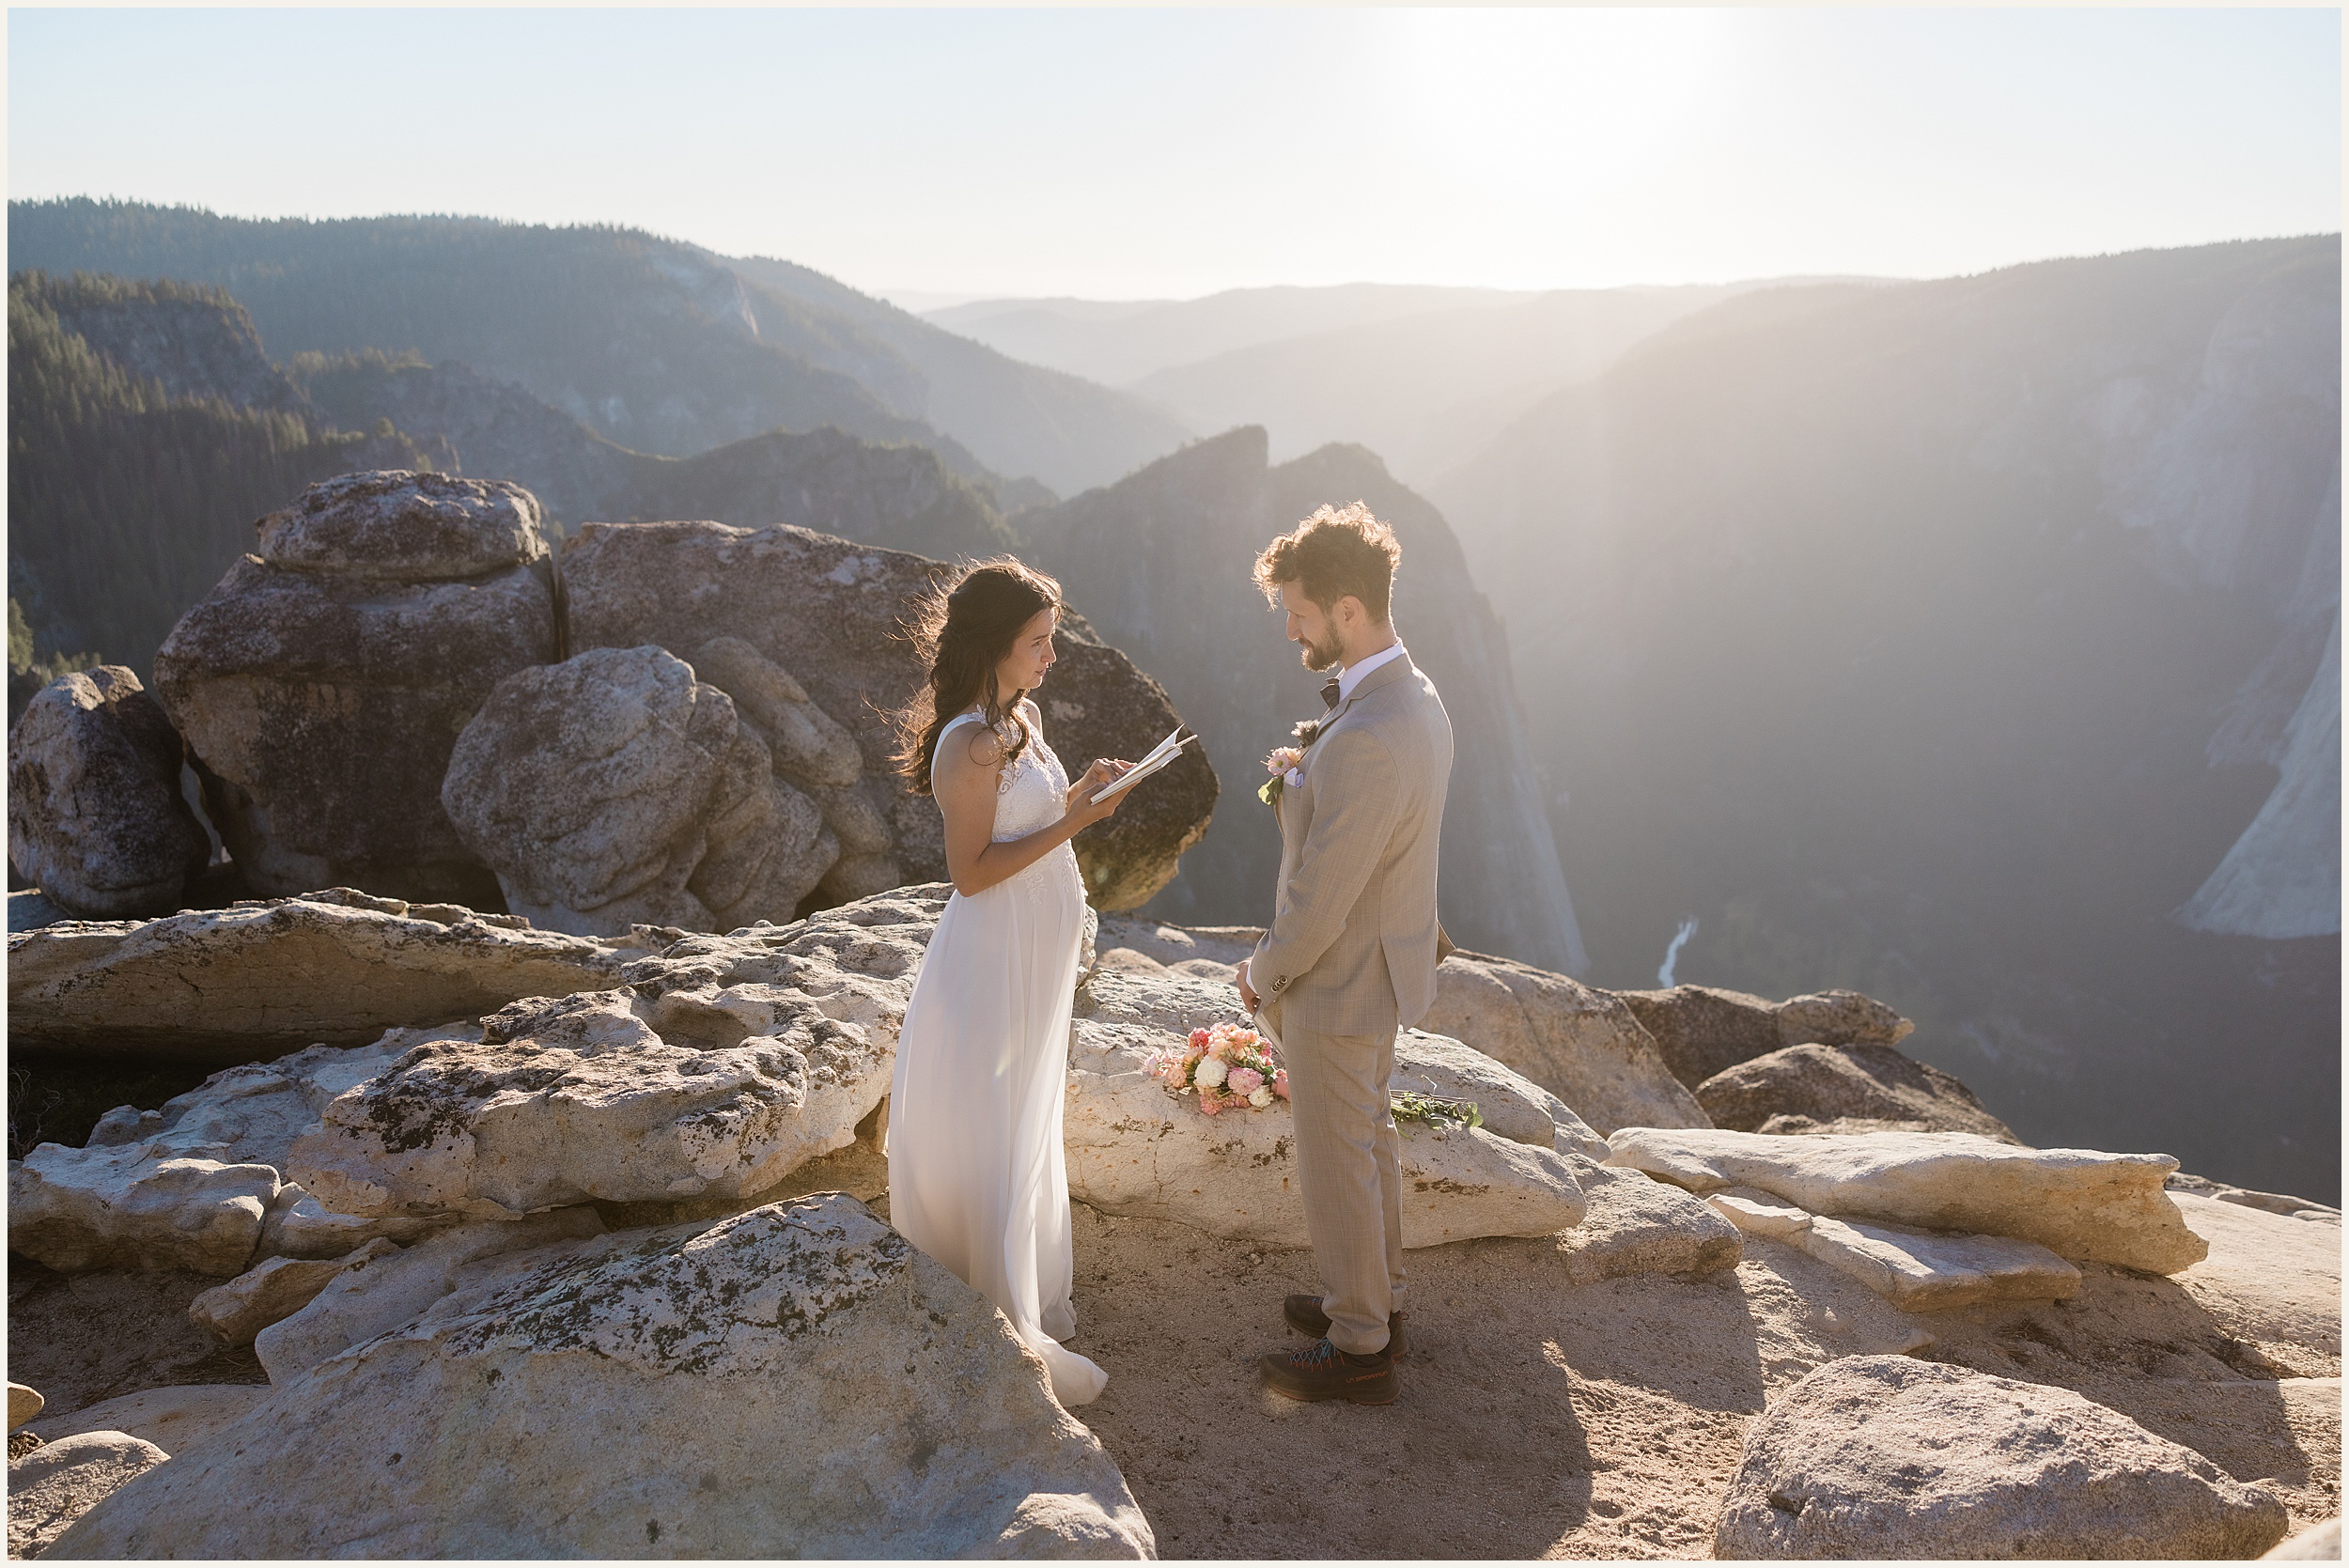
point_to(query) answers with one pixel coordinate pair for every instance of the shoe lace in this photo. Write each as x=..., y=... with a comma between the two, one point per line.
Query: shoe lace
x=1319, y=1354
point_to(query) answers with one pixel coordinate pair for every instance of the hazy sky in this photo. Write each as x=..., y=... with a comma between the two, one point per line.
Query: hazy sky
x=1156, y=153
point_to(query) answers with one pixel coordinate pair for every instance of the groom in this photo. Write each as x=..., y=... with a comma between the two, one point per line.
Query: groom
x=1351, y=956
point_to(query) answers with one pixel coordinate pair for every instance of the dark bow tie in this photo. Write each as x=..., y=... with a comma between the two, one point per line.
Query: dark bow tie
x=1329, y=693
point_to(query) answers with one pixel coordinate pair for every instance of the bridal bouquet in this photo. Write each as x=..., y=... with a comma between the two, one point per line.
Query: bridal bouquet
x=1233, y=1069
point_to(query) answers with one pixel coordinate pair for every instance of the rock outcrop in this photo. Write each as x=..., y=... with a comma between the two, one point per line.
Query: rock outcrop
x=855, y=1343
x=1703, y=1030
x=1880, y=1456
x=1636, y=1225
x=614, y=789
x=2271, y=1282
x=1135, y=1149
x=278, y=1288
x=95, y=812
x=723, y=1064
x=2079, y=1203
x=177, y=1188
x=1579, y=1043
x=174, y=1417
x=1807, y=1088
x=1918, y=1271
x=323, y=683
x=57, y=1482
x=120, y=1207
x=830, y=613
x=337, y=967
x=376, y=1295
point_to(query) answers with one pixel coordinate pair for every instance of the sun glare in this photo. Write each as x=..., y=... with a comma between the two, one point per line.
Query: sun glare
x=1557, y=99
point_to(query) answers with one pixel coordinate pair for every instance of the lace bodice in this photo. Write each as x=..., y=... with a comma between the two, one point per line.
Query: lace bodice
x=1034, y=789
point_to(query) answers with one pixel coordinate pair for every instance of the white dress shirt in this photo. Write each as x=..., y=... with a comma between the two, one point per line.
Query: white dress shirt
x=1354, y=674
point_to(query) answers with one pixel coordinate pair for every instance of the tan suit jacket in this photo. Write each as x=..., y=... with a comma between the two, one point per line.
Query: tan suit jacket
x=1352, y=947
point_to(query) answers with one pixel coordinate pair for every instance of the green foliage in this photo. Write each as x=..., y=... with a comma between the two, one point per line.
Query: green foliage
x=126, y=504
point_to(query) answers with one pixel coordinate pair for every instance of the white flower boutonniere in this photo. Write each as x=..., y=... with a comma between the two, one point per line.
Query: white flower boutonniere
x=1287, y=763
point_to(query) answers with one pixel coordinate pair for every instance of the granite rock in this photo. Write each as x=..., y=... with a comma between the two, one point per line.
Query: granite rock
x=615, y=789
x=335, y=967
x=831, y=612
x=813, y=1386
x=1701, y=1030
x=322, y=691
x=1579, y=1043
x=1884, y=1456
x=2080, y=1203
x=95, y=814
x=1817, y=1085
x=59, y=1482
x=722, y=1064
x=1135, y=1149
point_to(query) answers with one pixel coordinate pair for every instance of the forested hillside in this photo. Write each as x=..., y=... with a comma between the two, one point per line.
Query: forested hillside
x=128, y=494
x=661, y=347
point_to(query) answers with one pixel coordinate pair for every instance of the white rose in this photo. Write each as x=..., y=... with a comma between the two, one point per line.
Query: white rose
x=1262, y=1097
x=1211, y=1071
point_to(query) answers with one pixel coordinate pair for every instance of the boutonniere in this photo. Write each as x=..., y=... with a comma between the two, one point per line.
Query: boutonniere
x=1283, y=763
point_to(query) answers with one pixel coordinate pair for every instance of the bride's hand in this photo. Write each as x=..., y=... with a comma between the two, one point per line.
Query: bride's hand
x=1081, y=811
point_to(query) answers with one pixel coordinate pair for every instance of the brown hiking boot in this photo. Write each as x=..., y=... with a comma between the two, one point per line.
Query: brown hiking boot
x=1322, y=1370
x=1305, y=1315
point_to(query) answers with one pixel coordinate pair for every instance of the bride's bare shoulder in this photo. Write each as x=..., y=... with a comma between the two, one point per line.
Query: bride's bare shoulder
x=978, y=746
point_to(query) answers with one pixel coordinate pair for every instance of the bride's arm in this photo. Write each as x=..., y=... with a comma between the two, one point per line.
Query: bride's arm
x=964, y=783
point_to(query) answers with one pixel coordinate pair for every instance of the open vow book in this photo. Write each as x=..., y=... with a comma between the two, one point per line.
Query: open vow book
x=1163, y=753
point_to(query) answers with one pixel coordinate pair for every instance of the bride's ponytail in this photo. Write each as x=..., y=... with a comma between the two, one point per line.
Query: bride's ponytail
x=962, y=634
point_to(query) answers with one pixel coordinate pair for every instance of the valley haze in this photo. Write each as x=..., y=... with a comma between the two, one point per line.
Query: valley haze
x=1731, y=589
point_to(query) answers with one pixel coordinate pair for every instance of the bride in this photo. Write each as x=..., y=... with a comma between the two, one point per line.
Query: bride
x=976, y=1177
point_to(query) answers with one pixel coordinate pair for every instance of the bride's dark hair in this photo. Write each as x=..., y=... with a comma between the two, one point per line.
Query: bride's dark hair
x=962, y=634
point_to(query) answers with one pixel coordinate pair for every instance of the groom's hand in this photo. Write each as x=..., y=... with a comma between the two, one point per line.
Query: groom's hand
x=1247, y=992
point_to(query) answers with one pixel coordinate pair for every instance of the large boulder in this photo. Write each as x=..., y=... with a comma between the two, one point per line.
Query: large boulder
x=376, y=1295
x=335, y=967
x=1135, y=1149
x=722, y=1065
x=324, y=682
x=1701, y=1030
x=830, y=611
x=796, y=1381
x=57, y=1482
x=1800, y=1088
x=1918, y=1271
x=77, y=1210
x=1636, y=1225
x=174, y=1187
x=2079, y=1203
x=1579, y=1043
x=95, y=812
x=1511, y=1106
x=1884, y=1456
x=173, y=1418
x=278, y=1288
x=614, y=789
x=2271, y=1282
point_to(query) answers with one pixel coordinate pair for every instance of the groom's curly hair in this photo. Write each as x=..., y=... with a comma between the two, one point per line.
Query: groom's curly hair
x=1336, y=551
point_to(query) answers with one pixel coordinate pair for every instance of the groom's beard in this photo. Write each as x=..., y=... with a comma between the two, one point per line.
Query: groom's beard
x=1318, y=657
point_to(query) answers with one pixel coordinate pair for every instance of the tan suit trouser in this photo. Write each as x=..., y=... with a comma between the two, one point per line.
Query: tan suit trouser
x=1349, y=1165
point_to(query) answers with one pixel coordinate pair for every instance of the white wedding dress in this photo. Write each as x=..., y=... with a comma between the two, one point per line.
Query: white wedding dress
x=977, y=1178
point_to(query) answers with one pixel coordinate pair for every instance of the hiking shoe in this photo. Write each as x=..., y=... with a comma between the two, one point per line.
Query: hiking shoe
x=1305, y=1315
x=1322, y=1370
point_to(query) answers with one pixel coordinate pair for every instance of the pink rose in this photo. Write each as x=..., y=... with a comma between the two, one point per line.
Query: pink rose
x=1209, y=1101
x=1199, y=1038
x=1244, y=1082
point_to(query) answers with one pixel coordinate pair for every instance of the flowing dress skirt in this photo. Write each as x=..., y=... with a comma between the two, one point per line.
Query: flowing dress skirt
x=977, y=1178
